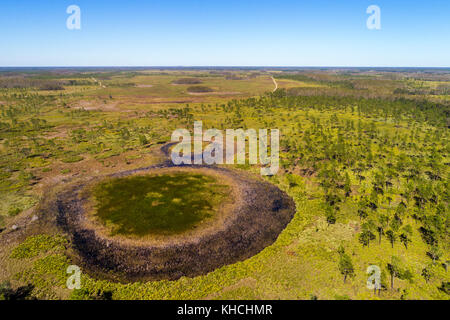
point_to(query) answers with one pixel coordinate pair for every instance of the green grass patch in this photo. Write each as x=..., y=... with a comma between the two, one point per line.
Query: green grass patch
x=47, y=275
x=72, y=158
x=14, y=203
x=36, y=245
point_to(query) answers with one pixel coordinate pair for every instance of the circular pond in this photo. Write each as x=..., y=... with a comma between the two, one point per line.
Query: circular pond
x=165, y=221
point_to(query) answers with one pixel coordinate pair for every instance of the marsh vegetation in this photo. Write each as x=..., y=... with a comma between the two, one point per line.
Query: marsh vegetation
x=157, y=204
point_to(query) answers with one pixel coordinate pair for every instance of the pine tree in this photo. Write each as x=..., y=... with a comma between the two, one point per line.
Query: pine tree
x=345, y=265
x=391, y=236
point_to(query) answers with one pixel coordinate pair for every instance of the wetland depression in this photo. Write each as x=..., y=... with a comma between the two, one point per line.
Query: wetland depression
x=167, y=204
x=166, y=221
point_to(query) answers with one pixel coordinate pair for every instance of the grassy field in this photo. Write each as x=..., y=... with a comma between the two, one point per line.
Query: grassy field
x=364, y=156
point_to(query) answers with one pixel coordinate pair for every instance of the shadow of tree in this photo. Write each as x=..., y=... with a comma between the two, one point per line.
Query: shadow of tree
x=20, y=293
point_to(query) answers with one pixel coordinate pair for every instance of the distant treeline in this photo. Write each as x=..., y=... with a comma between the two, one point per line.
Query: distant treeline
x=81, y=75
x=26, y=83
x=308, y=79
x=396, y=108
x=440, y=90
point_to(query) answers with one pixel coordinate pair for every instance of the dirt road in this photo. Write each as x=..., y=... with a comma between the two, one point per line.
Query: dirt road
x=275, y=83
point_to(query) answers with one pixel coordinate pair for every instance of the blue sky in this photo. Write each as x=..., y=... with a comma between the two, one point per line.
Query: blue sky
x=225, y=33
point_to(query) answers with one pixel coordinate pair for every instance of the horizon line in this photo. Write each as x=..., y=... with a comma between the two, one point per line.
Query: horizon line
x=225, y=66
